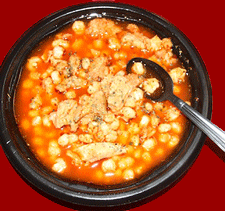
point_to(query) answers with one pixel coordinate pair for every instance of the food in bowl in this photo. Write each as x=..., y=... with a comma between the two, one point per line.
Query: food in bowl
x=84, y=117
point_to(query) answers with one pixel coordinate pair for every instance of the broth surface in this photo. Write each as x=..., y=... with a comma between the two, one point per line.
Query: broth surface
x=84, y=118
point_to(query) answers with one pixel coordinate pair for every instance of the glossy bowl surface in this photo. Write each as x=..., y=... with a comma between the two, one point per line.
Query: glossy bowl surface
x=85, y=194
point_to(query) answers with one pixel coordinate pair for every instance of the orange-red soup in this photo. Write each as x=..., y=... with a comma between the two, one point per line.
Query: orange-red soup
x=84, y=118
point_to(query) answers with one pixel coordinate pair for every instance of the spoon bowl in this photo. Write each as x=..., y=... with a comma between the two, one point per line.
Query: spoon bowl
x=153, y=70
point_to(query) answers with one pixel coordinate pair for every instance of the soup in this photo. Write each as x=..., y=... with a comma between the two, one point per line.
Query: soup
x=84, y=117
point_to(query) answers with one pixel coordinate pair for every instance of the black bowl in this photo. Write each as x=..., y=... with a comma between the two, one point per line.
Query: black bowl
x=86, y=194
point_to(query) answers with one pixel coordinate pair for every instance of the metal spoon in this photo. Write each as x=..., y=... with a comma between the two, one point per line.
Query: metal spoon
x=166, y=93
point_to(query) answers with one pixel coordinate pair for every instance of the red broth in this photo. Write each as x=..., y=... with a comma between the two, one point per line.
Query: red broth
x=77, y=120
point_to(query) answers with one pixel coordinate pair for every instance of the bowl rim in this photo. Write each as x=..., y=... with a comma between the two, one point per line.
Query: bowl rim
x=101, y=198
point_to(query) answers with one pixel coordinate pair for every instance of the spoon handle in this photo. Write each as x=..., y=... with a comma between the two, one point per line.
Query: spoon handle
x=212, y=131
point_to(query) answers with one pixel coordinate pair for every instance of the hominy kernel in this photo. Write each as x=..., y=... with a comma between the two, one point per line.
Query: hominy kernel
x=128, y=174
x=146, y=156
x=58, y=52
x=176, y=89
x=63, y=140
x=122, y=163
x=139, y=169
x=82, y=74
x=129, y=161
x=27, y=84
x=33, y=62
x=135, y=140
x=53, y=148
x=154, y=120
x=36, y=121
x=86, y=63
x=137, y=153
x=163, y=128
x=116, y=55
x=60, y=42
x=110, y=117
x=149, y=144
x=108, y=165
x=38, y=141
x=54, y=101
x=144, y=121
x=111, y=137
x=55, y=77
x=59, y=166
x=134, y=128
x=148, y=107
x=47, y=110
x=78, y=27
x=98, y=44
x=126, y=162
x=130, y=149
x=165, y=137
x=150, y=85
x=78, y=44
x=159, y=152
x=25, y=124
x=114, y=43
x=138, y=68
x=35, y=75
x=33, y=113
x=176, y=127
x=86, y=138
x=70, y=94
x=115, y=124
x=173, y=141
x=123, y=136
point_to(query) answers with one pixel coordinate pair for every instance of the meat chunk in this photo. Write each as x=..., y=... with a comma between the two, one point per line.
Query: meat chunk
x=132, y=27
x=85, y=63
x=71, y=82
x=47, y=84
x=138, y=40
x=166, y=55
x=69, y=112
x=119, y=90
x=98, y=103
x=102, y=27
x=105, y=84
x=66, y=114
x=99, y=68
x=74, y=62
x=97, y=151
x=134, y=40
x=154, y=44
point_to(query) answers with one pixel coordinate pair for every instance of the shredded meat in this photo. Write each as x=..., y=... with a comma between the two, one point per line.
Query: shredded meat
x=102, y=27
x=74, y=62
x=71, y=82
x=69, y=112
x=120, y=88
x=66, y=114
x=98, y=151
x=99, y=68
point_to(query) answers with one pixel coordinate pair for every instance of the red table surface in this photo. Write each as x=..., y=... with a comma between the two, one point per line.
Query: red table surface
x=203, y=187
